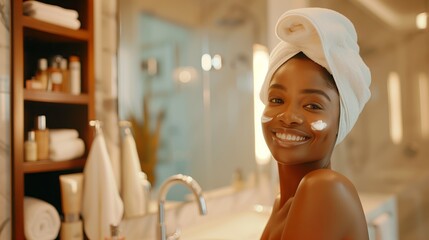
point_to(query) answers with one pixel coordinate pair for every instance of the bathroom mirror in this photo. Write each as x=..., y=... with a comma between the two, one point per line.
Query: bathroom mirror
x=208, y=128
x=189, y=65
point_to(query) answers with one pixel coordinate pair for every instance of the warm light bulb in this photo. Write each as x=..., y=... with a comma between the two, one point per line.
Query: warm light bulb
x=206, y=62
x=421, y=20
x=217, y=62
x=260, y=68
x=395, y=110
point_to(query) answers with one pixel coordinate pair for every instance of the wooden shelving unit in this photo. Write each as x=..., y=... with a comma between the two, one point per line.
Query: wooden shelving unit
x=33, y=39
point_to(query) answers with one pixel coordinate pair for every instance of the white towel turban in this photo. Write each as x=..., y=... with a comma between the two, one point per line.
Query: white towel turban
x=329, y=39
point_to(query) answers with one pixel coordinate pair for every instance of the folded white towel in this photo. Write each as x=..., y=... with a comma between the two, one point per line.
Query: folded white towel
x=329, y=39
x=35, y=6
x=54, y=19
x=59, y=135
x=101, y=205
x=41, y=220
x=66, y=150
x=132, y=190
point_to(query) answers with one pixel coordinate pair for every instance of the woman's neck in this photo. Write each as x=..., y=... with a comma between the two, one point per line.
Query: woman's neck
x=291, y=175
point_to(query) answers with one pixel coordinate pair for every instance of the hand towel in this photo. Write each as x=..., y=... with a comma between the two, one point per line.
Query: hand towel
x=66, y=149
x=35, y=6
x=132, y=189
x=101, y=205
x=58, y=135
x=329, y=39
x=41, y=220
x=55, y=19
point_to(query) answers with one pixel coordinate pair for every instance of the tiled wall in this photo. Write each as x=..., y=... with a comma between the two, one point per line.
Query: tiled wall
x=5, y=172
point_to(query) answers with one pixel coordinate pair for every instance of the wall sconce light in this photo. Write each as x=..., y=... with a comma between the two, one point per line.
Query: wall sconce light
x=260, y=68
x=208, y=62
x=185, y=74
x=421, y=20
x=395, y=109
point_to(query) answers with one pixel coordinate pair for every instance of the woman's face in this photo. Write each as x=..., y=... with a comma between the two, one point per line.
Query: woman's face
x=300, y=121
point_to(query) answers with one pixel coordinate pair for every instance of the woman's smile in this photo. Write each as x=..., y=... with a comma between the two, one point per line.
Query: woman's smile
x=290, y=137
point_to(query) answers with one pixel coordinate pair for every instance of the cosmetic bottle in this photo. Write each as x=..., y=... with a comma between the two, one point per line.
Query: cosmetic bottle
x=42, y=138
x=42, y=73
x=71, y=203
x=74, y=71
x=55, y=75
x=30, y=147
x=65, y=76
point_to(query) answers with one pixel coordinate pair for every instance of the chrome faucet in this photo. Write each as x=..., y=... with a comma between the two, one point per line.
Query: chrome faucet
x=177, y=179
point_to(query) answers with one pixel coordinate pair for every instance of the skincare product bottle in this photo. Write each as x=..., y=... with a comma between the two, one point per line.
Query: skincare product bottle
x=30, y=147
x=71, y=230
x=74, y=69
x=65, y=76
x=71, y=202
x=42, y=138
x=42, y=73
x=55, y=75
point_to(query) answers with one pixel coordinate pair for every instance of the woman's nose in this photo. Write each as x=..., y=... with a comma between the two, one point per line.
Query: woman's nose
x=290, y=118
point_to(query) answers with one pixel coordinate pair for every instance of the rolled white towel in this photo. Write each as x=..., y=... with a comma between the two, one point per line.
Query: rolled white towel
x=41, y=220
x=35, y=6
x=58, y=135
x=66, y=150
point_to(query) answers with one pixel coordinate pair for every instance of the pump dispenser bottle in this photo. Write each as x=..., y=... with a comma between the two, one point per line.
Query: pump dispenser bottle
x=42, y=138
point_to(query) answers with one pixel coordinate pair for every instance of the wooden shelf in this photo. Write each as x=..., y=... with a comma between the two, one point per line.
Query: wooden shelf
x=33, y=39
x=49, y=166
x=44, y=30
x=55, y=97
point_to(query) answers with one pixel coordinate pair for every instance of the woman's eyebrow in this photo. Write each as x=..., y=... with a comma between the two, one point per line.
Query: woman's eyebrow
x=316, y=91
x=277, y=86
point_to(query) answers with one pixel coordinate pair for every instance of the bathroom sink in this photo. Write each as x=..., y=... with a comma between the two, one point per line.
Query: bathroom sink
x=246, y=224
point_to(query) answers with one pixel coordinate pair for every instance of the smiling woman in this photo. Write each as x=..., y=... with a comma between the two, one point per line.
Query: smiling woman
x=311, y=103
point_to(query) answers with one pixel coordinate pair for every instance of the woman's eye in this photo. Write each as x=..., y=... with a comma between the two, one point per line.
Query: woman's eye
x=313, y=106
x=276, y=100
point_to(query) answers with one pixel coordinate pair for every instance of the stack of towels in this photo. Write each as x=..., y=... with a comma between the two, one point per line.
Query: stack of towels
x=52, y=14
x=41, y=220
x=65, y=144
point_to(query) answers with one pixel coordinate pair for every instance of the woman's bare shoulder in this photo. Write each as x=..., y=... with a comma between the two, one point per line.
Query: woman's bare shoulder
x=326, y=178
x=325, y=187
x=328, y=195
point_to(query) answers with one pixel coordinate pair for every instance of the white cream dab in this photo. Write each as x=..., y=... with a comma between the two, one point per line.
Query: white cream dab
x=265, y=119
x=318, y=125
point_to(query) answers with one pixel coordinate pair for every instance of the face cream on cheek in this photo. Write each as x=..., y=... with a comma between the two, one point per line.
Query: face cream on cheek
x=265, y=119
x=318, y=125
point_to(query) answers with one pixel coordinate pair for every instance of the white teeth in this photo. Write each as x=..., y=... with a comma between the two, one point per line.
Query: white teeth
x=289, y=137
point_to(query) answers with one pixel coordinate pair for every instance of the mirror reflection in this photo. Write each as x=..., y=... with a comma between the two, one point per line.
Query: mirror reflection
x=189, y=66
x=186, y=80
